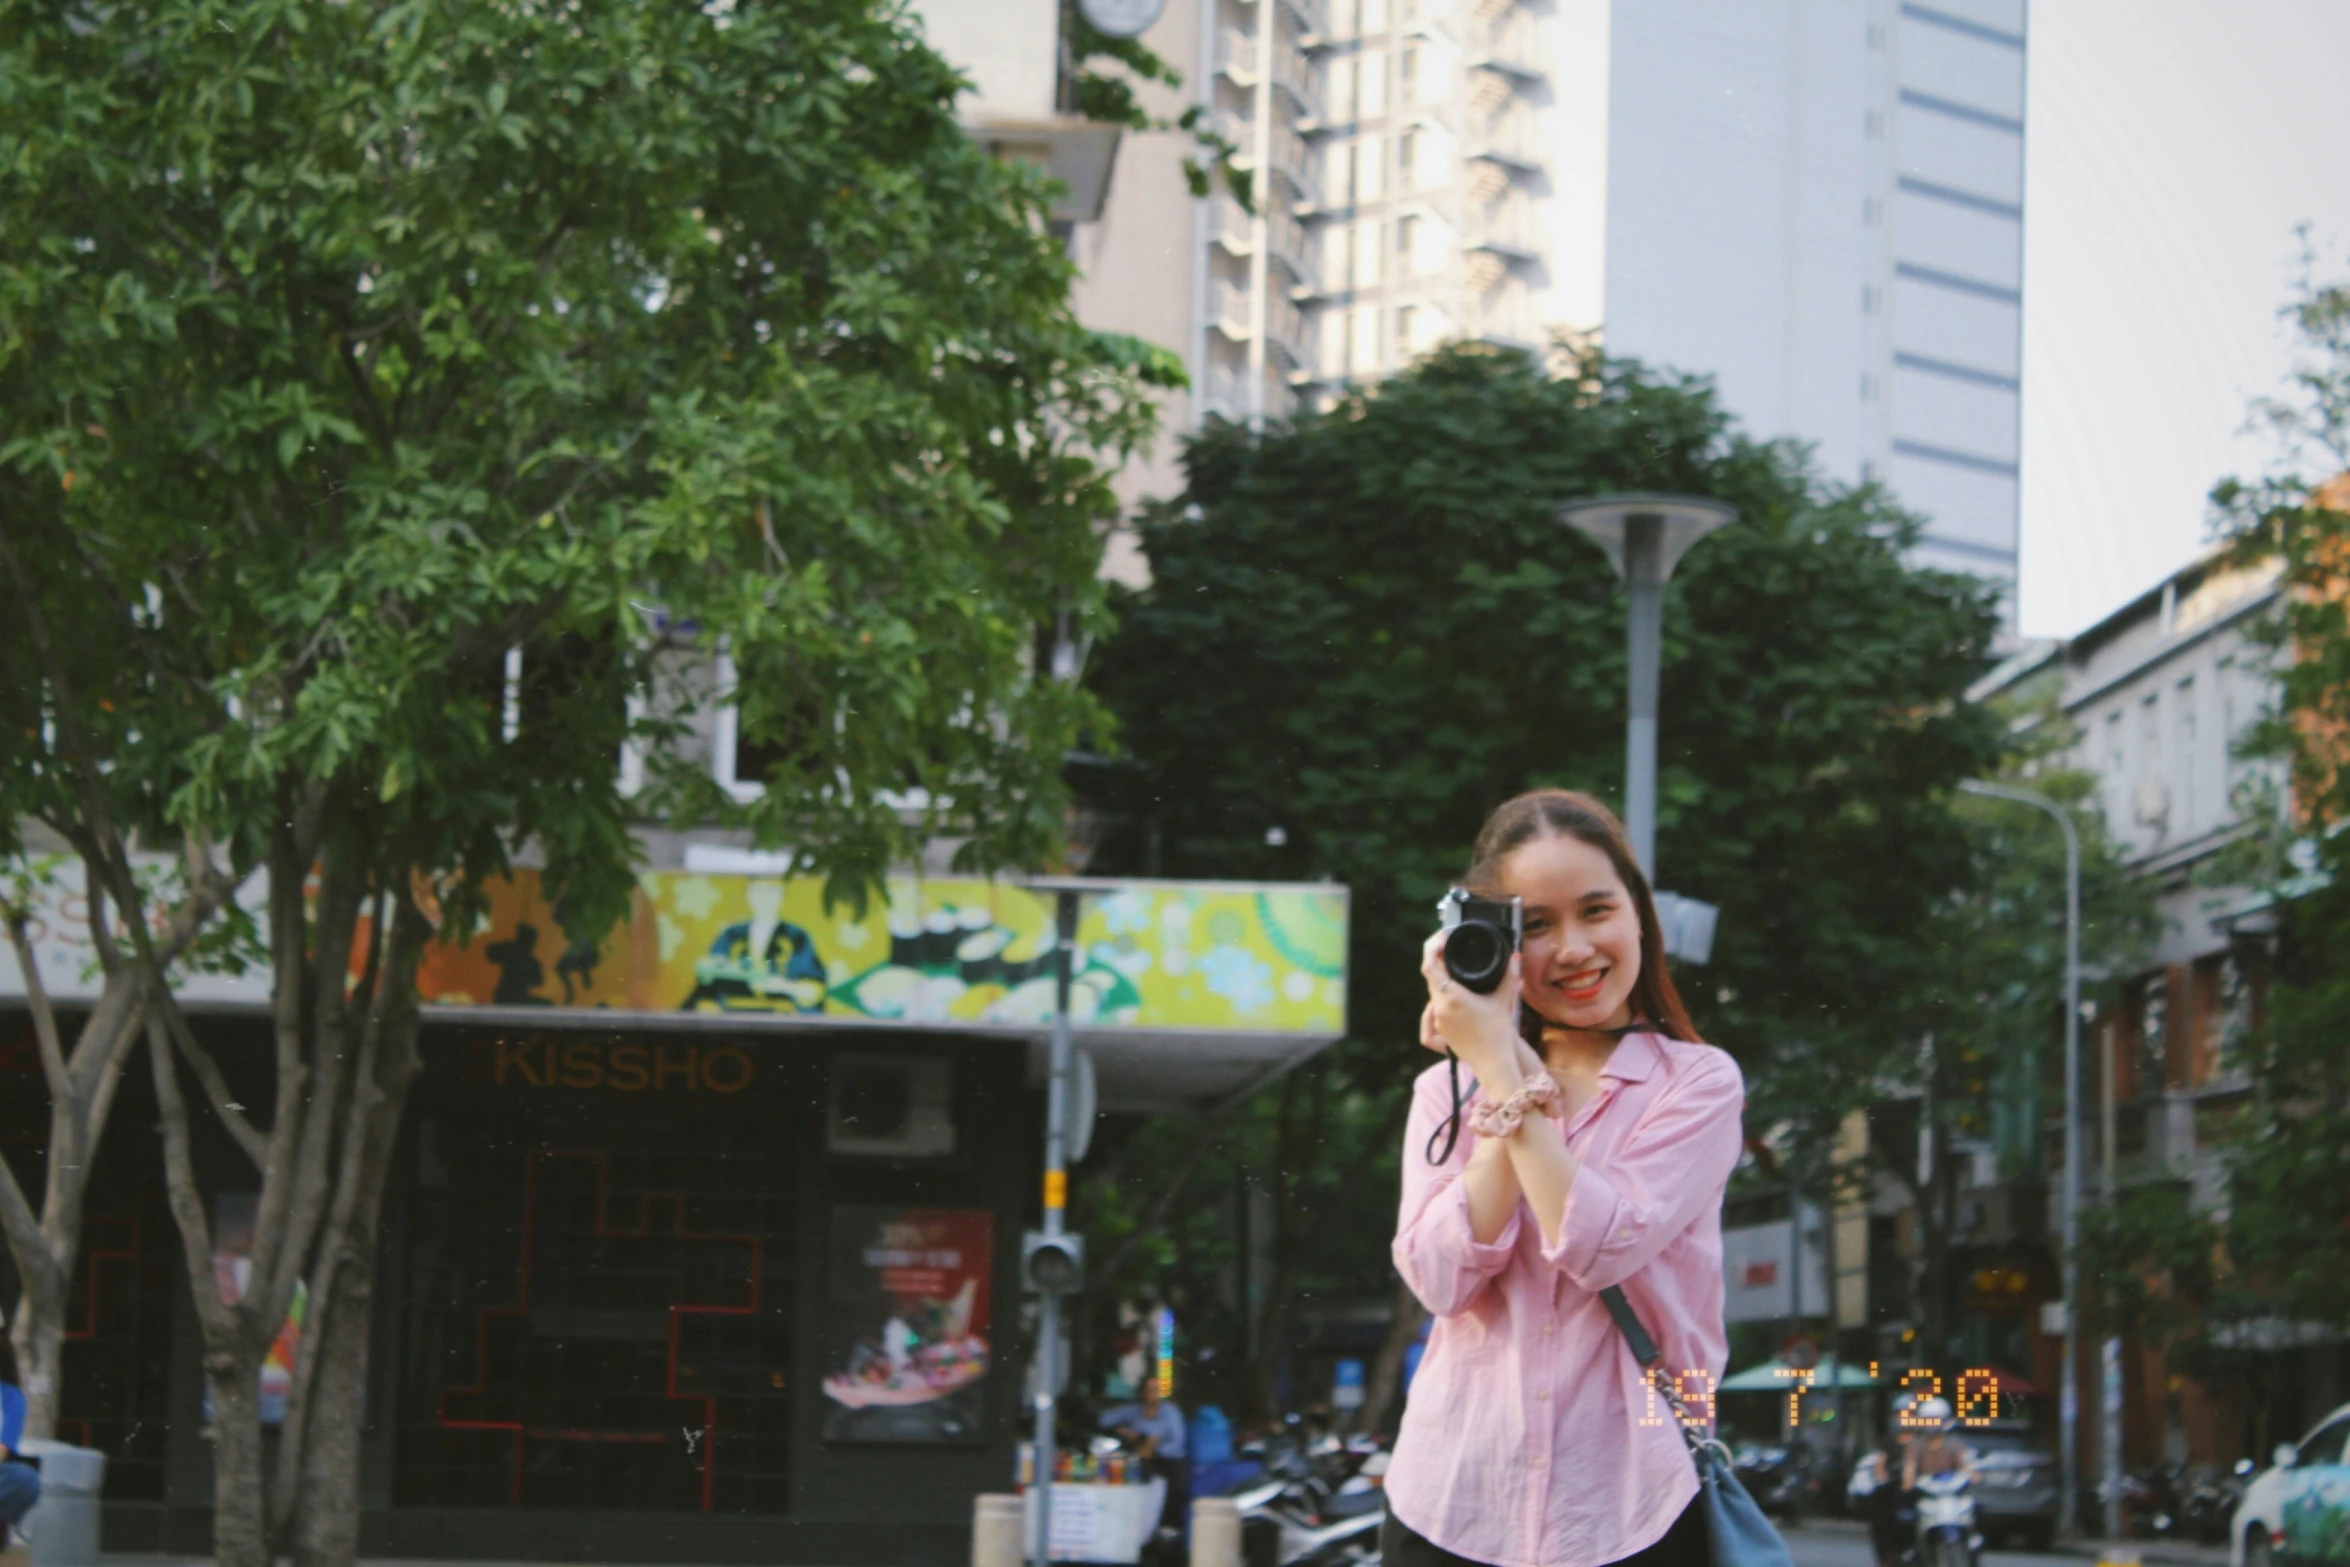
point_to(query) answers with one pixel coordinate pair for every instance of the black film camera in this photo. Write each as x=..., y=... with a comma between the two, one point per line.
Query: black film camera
x=1480, y=935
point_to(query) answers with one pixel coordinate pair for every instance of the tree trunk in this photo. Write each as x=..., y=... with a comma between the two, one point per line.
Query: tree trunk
x=240, y=1510
x=322, y=1481
x=1386, y=1375
x=325, y=1530
x=38, y=1332
x=1295, y=1152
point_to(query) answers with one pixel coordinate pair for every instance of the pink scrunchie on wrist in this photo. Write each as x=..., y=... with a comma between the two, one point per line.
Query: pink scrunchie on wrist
x=1504, y=1119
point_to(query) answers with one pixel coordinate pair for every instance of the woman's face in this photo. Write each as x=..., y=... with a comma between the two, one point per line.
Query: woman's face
x=1582, y=954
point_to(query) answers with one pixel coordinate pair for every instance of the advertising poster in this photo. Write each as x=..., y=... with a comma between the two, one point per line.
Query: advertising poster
x=910, y=1301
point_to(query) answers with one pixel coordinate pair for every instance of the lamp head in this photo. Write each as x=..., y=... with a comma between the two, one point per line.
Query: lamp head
x=1681, y=520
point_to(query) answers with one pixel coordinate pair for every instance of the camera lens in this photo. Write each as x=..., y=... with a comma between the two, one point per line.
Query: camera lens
x=1476, y=955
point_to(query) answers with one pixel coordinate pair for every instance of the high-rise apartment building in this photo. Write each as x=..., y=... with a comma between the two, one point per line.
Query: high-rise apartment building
x=1396, y=160
x=1819, y=203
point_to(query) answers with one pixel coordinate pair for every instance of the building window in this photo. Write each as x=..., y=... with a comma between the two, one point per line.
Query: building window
x=1407, y=160
x=1407, y=68
x=740, y=761
x=1366, y=254
x=2153, y=802
x=2154, y=1034
x=2115, y=771
x=2186, y=751
x=1363, y=356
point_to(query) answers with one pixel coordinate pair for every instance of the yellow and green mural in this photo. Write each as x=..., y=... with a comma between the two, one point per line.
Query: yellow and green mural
x=1260, y=959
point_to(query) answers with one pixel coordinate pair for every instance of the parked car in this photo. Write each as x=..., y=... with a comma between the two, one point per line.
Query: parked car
x=2016, y=1485
x=2297, y=1511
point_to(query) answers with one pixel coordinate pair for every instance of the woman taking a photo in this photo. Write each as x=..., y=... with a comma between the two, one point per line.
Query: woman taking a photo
x=1594, y=1153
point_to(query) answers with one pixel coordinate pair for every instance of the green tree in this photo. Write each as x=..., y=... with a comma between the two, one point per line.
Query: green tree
x=349, y=351
x=1365, y=629
x=2287, y=1233
x=1982, y=1058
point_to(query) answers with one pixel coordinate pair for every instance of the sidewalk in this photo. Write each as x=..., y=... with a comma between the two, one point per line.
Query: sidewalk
x=2150, y=1553
x=2166, y=1553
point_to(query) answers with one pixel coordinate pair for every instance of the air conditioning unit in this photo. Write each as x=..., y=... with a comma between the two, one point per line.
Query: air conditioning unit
x=891, y=1106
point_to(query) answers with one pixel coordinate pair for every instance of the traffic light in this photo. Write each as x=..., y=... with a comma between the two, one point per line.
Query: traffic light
x=1052, y=1264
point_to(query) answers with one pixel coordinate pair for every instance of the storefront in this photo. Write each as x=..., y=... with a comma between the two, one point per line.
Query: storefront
x=704, y=1242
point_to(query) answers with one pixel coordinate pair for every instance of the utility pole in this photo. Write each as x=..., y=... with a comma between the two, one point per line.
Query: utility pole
x=2068, y=1398
x=1055, y=1260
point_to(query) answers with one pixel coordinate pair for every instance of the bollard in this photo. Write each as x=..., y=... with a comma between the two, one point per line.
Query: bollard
x=996, y=1532
x=1215, y=1532
x=63, y=1525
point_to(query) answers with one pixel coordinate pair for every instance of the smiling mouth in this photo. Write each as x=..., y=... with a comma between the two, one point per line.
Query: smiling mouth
x=1583, y=987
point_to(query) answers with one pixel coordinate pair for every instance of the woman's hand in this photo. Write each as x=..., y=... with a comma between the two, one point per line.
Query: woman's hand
x=1481, y=1030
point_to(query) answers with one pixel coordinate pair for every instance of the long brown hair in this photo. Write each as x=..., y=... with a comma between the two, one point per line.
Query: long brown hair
x=1564, y=813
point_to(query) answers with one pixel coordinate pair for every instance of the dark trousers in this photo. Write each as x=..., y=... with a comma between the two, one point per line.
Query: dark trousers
x=1177, y=1473
x=20, y=1487
x=1892, y=1523
x=1683, y=1545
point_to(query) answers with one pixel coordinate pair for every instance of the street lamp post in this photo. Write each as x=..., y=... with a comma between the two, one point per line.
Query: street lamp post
x=1645, y=537
x=2068, y=1397
x=1054, y=1259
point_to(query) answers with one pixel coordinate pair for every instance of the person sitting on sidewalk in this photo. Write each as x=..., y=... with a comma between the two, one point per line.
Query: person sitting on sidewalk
x=1154, y=1429
x=20, y=1482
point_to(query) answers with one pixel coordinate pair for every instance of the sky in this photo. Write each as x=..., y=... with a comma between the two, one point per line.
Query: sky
x=2172, y=149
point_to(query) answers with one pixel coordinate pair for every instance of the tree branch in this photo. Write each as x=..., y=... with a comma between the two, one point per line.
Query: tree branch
x=232, y=1115
x=180, y=1189
x=37, y=998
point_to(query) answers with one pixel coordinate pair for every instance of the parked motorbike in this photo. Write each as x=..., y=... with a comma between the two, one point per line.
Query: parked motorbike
x=2151, y=1500
x=1320, y=1505
x=2207, y=1505
x=1946, y=1522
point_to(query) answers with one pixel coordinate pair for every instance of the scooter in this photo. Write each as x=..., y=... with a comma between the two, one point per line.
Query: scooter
x=1301, y=1535
x=1946, y=1521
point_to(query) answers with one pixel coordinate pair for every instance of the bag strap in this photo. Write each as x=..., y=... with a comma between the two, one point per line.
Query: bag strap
x=1697, y=1437
x=1628, y=1323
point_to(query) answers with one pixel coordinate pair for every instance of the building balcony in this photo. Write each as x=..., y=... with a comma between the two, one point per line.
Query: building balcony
x=1293, y=161
x=1507, y=45
x=1504, y=229
x=1294, y=76
x=1287, y=243
x=1286, y=333
x=1507, y=139
x=1225, y=393
x=1505, y=318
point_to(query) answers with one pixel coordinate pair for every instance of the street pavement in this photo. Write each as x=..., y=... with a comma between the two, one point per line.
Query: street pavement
x=1837, y=1542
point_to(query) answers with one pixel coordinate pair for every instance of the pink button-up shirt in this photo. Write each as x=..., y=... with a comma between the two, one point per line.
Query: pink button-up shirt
x=1531, y=1438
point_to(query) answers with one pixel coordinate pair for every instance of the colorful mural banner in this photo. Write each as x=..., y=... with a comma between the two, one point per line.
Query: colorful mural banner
x=1258, y=959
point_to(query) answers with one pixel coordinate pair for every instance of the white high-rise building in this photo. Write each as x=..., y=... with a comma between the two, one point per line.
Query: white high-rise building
x=1820, y=204
x=1397, y=154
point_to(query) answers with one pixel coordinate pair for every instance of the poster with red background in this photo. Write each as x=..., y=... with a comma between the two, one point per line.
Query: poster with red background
x=911, y=1292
